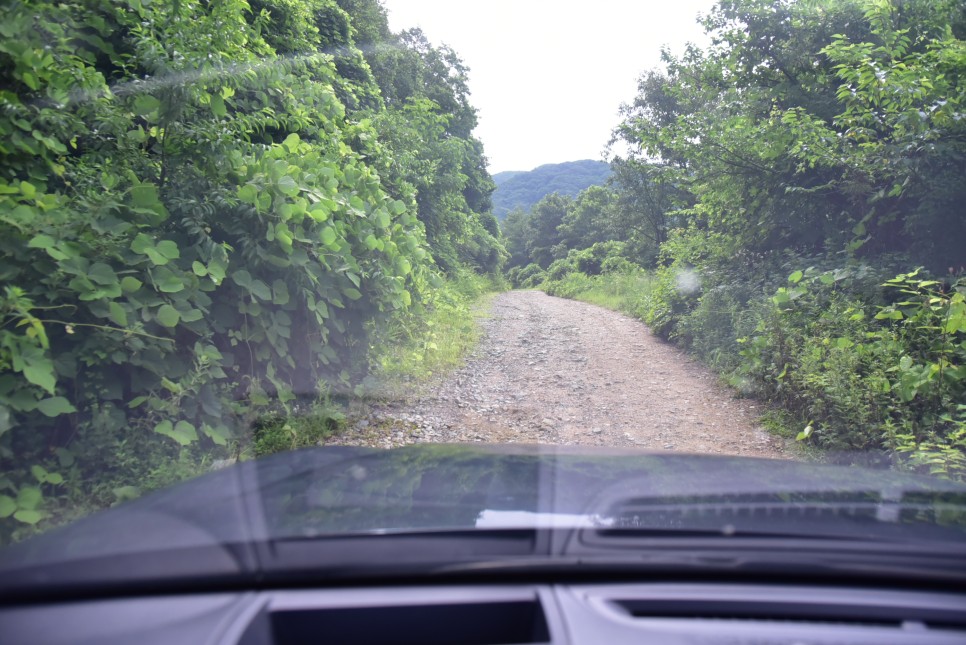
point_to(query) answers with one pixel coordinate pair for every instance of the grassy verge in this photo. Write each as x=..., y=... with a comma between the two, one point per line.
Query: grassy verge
x=422, y=346
x=624, y=292
x=415, y=350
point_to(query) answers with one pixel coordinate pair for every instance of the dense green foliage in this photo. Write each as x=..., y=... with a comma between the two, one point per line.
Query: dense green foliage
x=781, y=188
x=207, y=212
x=523, y=189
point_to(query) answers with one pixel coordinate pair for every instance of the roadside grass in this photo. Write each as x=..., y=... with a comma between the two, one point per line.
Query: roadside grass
x=412, y=352
x=420, y=348
x=307, y=426
x=622, y=292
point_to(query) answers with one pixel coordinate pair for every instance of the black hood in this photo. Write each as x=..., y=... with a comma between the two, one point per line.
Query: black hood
x=332, y=510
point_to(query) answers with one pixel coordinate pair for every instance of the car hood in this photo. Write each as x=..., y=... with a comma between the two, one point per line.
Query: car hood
x=338, y=509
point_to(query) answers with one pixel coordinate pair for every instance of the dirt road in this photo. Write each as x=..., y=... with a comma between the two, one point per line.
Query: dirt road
x=550, y=370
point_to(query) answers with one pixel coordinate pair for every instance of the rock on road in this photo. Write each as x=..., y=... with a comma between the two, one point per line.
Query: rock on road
x=555, y=371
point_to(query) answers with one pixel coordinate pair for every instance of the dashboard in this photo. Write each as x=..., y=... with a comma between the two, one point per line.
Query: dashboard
x=612, y=614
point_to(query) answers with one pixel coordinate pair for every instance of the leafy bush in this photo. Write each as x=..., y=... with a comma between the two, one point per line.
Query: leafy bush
x=526, y=277
x=570, y=285
x=420, y=345
x=866, y=365
x=194, y=229
x=868, y=375
x=620, y=265
x=558, y=269
x=590, y=260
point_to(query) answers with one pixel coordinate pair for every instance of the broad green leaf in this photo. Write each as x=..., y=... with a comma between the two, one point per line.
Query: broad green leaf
x=260, y=290
x=291, y=142
x=242, y=278
x=248, y=194
x=169, y=249
x=65, y=457
x=155, y=256
x=186, y=430
x=169, y=283
x=168, y=316
x=319, y=212
x=136, y=401
x=889, y=314
x=55, y=478
x=280, y=294
x=287, y=185
x=192, y=315
x=55, y=406
x=183, y=432
x=130, y=284
x=29, y=497
x=7, y=506
x=216, y=271
x=199, y=269
x=145, y=196
x=41, y=242
x=218, y=106
x=219, y=434
x=146, y=105
x=141, y=243
x=28, y=516
x=101, y=273
x=328, y=235
x=40, y=372
x=117, y=314
x=795, y=277
x=352, y=294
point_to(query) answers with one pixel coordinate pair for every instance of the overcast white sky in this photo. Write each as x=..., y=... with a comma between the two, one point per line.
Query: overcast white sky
x=548, y=76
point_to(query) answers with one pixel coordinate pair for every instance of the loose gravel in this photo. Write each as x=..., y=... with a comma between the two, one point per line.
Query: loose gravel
x=555, y=371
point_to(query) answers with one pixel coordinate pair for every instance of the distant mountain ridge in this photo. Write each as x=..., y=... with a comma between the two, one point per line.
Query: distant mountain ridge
x=523, y=189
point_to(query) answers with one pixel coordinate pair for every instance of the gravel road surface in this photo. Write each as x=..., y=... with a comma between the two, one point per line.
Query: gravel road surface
x=556, y=371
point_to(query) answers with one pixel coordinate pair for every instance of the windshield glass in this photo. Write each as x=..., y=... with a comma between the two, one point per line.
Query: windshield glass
x=708, y=259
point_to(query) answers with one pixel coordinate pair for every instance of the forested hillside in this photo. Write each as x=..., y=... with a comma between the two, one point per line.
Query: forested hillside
x=523, y=189
x=207, y=211
x=793, y=210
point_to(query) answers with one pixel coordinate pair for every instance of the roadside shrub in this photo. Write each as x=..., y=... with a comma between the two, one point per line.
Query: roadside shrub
x=527, y=277
x=570, y=285
x=590, y=260
x=415, y=346
x=613, y=264
x=560, y=268
x=711, y=330
x=177, y=258
x=301, y=429
x=867, y=375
